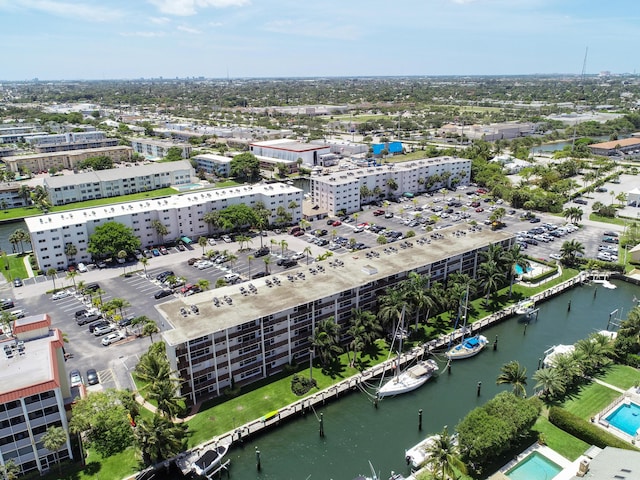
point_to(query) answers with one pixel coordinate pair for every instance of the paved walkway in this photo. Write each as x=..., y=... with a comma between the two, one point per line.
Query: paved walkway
x=27, y=266
x=608, y=385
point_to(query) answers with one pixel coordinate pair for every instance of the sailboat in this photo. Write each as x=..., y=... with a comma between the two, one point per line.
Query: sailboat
x=469, y=346
x=409, y=379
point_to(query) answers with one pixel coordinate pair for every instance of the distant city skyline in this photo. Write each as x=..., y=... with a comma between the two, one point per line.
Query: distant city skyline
x=121, y=39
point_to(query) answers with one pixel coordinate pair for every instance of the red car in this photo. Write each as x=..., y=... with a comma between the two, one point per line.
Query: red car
x=337, y=223
x=378, y=212
x=479, y=209
x=299, y=233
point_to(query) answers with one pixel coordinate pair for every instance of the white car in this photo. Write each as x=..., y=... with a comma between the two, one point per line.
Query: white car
x=227, y=239
x=82, y=268
x=556, y=256
x=61, y=294
x=99, y=331
x=211, y=241
x=111, y=338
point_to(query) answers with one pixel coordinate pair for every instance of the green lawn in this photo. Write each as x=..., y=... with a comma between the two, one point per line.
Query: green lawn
x=565, y=444
x=16, y=267
x=599, y=218
x=18, y=213
x=621, y=376
x=590, y=400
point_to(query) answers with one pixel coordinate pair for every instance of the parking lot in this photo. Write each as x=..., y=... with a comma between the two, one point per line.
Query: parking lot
x=114, y=362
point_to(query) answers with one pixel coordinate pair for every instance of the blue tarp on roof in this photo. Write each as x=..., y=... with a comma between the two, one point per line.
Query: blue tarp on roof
x=392, y=147
x=471, y=342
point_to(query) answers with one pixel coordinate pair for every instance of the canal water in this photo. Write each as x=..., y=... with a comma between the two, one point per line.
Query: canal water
x=356, y=432
x=7, y=229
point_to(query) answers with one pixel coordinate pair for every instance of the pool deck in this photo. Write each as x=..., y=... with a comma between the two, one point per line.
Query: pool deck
x=569, y=468
x=630, y=395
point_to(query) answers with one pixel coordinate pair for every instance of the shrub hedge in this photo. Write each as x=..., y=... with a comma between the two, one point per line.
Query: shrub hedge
x=585, y=431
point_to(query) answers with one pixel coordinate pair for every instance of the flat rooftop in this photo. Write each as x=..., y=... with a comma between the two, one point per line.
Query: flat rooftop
x=29, y=373
x=356, y=270
x=58, y=220
x=289, y=145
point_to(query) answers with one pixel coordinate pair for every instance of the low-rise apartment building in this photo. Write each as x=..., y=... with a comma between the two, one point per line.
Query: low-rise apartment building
x=33, y=389
x=290, y=151
x=42, y=162
x=70, y=141
x=10, y=196
x=117, y=181
x=181, y=214
x=342, y=190
x=214, y=164
x=158, y=148
x=246, y=335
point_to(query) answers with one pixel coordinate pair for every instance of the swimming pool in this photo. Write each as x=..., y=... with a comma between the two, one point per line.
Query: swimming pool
x=626, y=418
x=534, y=467
x=519, y=270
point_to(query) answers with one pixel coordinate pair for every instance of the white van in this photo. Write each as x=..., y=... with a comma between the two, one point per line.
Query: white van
x=231, y=277
x=82, y=268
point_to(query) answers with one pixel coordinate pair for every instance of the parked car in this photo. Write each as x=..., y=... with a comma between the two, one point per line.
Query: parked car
x=609, y=233
x=378, y=212
x=92, y=377
x=161, y=277
x=87, y=318
x=261, y=252
x=231, y=277
x=226, y=239
x=91, y=287
x=75, y=379
x=163, y=250
x=299, y=233
x=99, y=323
x=125, y=322
x=147, y=253
x=6, y=303
x=162, y=293
x=17, y=282
x=388, y=215
x=99, y=331
x=580, y=201
x=156, y=252
x=192, y=261
x=287, y=262
x=61, y=294
x=259, y=275
x=337, y=223
x=111, y=338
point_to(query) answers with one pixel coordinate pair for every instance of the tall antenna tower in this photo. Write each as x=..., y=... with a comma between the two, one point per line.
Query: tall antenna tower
x=582, y=95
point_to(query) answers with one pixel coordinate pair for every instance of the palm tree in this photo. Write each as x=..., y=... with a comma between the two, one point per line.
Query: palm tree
x=53, y=440
x=551, y=381
x=72, y=276
x=10, y=471
x=443, y=456
x=202, y=241
x=514, y=374
x=326, y=340
x=122, y=255
x=203, y=284
x=159, y=439
x=283, y=245
x=52, y=273
x=160, y=228
x=144, y=261
x=416, y=291
x=390, y=308
x=490, y=276
x=307, y=252
x=70, y=250
x=515, y=259
x=267, y=261
x=149, y=328
x=212, y=219
x=273, y=242
x=250, y=258
x=164, y=394
x=570, y=250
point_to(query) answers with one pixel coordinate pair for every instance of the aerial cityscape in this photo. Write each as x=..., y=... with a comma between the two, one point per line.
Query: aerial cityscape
x=329, y=241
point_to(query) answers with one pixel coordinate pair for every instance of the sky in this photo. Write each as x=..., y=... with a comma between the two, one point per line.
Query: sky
x=128, y=39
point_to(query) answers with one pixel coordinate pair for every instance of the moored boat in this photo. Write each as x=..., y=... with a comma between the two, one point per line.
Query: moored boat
x=410, y=379
x=525, y=307
x=210, y=459
x=468, y=348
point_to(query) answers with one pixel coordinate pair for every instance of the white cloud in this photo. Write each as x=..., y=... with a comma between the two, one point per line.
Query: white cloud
x=160, y=20
x=314, y=29
x=84, y=11
x=142, y=34
x=186, y=8
x=185, y=29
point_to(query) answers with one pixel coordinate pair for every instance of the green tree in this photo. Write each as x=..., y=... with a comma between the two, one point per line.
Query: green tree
x=245, y=167
x=53, y=440
x=10, y=471
x=102, y=416
x=52, y=273
x=443, y=457
x=202, y=241
x=149, y=328
x=515, y=258
x=550, y=381
x=72, y=276
x=159, y=439
x=70, y=250
x=108, y=239
x=160, y=228
x=514, y=374
x=204, y=284
x=174, y=154
x=326, y=341
x=490, y=276
x=570, y=250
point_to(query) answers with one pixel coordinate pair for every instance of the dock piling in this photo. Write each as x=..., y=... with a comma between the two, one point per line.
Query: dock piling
x=258, y=463
x=420, y=420
x=479, y=388
x=321, y=420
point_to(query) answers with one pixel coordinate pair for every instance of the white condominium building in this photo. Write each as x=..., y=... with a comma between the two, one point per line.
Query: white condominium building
x=342, y=190
x=34, y=388
x=245, y=335
x=117, y=181
x=181, y=214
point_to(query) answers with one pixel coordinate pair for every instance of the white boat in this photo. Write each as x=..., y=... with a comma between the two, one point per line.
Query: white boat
x=210, y=459
x=606, y=284
x=525, y=307
x=417, y=455
x=551, y=354
x=468, y=348
x=410, y=379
